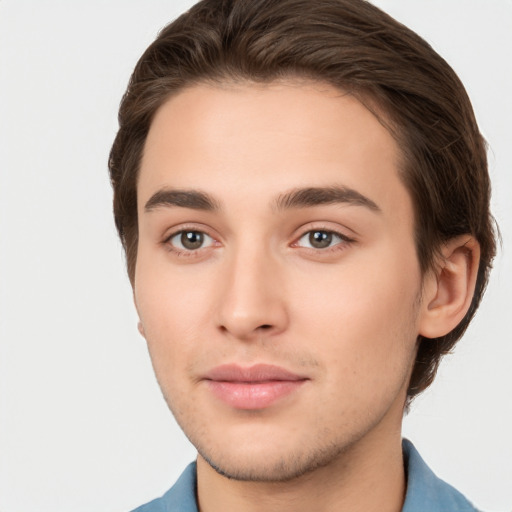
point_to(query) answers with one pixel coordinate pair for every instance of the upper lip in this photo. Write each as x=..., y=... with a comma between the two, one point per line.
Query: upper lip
x=255, y=373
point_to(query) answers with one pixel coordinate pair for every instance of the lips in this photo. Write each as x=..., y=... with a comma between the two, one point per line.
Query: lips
x=255, y=387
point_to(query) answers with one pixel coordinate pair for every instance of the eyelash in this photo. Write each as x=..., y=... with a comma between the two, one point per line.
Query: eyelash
x=342, y=244
x=187, y=253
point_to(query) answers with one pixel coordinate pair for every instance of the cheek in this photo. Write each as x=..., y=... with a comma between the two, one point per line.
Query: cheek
x=167, y=296
x=174, y=308
x=364, y=312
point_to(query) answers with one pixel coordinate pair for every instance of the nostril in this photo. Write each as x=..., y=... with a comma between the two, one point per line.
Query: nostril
x=265, y=326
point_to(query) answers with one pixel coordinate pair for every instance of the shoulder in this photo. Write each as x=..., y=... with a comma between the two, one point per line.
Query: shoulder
x=425, y=491
x=180, y=497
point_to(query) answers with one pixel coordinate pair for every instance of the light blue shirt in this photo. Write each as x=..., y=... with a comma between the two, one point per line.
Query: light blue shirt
x=425, y=492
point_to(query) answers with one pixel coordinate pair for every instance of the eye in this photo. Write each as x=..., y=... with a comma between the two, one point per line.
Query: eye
x=190, y=240
x=320, y=239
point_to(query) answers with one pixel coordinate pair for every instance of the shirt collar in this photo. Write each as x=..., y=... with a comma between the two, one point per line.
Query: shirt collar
x=425, y=491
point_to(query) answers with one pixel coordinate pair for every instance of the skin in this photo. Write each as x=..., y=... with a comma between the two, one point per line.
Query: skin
x=345, y=317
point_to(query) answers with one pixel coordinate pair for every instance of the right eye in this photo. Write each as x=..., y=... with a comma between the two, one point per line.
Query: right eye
x=190, y=240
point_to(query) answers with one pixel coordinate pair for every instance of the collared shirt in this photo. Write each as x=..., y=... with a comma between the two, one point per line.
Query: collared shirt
x=425, y=492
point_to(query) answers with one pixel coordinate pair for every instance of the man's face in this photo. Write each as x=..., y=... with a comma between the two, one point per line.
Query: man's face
x=277, y=281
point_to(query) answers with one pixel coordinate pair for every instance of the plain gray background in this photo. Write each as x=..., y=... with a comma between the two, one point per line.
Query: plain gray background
x=83, y=427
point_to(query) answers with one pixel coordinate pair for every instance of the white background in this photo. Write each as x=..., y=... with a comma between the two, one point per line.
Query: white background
x=83, y=427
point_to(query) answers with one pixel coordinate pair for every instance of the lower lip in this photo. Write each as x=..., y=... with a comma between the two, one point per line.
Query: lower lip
x=253, y=395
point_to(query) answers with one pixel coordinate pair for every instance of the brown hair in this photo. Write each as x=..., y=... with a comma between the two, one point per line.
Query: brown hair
x=356, y=47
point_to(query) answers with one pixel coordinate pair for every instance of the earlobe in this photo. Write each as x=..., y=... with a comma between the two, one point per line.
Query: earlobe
x=140, y=327
x=450, y=287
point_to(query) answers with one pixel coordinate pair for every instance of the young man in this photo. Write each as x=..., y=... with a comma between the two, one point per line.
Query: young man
x=302, y=193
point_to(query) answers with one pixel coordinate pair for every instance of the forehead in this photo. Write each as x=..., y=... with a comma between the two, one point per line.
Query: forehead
x=264, y=139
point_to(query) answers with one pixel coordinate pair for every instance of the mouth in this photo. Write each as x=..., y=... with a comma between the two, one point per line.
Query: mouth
x=252, y=388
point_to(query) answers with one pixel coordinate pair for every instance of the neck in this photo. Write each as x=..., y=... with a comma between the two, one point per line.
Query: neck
x=368, y=476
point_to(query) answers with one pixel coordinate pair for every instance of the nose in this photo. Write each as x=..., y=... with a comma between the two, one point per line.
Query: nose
x=252, y=302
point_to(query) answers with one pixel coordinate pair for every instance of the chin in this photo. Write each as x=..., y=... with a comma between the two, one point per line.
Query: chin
x=268, y=465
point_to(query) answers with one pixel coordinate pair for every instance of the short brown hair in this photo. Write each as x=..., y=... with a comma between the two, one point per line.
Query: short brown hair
x=356, y=47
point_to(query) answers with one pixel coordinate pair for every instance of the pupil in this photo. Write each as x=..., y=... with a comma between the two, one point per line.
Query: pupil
x=320, y=239
x=192, y=239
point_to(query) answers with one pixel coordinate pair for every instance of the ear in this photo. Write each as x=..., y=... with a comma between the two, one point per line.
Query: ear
x=140, y=327
x=449, y=288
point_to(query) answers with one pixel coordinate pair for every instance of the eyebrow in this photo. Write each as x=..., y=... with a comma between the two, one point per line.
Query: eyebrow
x=296, y=198
x=316, y=196
x=193, y=199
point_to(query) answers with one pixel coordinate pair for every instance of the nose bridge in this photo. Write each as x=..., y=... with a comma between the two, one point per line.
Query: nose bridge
x=252, y=299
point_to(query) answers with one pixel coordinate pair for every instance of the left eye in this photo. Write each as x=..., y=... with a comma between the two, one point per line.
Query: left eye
x=190, y=240
x=318, y=239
